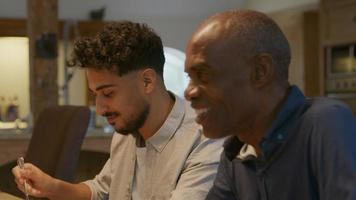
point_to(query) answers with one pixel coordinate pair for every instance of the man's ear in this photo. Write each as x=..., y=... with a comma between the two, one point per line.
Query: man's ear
x=263, y=70
x=148, y=79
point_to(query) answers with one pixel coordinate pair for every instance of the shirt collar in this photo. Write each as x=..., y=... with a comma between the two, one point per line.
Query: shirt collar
x=246, y=151
x=277, y=132
x=284, y=120
x=160, y=139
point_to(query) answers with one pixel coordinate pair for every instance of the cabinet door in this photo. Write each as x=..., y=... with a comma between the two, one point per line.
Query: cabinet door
x=332, y=3
x=341, y=23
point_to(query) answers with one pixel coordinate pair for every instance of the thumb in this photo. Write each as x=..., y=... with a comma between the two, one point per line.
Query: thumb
x=30, y=171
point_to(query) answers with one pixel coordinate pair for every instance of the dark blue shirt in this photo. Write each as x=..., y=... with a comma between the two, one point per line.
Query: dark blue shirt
x=309, y=153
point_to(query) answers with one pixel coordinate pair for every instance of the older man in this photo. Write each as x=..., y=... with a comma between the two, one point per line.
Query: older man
x=284, y=146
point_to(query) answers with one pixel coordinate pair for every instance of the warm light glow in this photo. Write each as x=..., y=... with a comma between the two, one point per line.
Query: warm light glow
x=14, y=71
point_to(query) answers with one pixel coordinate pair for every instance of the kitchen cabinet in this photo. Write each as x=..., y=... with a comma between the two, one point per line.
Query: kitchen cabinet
x=301, y=27
x=338, y=49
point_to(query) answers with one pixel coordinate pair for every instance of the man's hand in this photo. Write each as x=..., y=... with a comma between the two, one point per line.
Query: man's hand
x=39, y=184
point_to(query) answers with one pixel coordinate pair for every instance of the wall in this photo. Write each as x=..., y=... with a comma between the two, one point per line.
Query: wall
x=278, y=5
x=291, y=23
x=300, y=26
x=174, y=21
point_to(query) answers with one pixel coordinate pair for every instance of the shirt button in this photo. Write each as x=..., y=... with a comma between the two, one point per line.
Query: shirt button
x=279, y=136
x=264, y=145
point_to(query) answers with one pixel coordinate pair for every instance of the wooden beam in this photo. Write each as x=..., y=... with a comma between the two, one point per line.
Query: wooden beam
x=10, y=27
x=42, y=27
x=13, y=28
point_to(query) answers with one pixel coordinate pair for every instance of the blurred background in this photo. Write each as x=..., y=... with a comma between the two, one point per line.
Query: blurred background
x=36, y=38
x=175, y=21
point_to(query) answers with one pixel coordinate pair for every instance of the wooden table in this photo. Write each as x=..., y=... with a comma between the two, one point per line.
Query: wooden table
x=6, y=196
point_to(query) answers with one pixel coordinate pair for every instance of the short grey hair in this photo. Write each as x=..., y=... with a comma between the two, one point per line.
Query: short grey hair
x=259, y=34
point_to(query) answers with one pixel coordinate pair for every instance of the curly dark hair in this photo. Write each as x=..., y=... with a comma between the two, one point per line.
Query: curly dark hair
x=121, y=47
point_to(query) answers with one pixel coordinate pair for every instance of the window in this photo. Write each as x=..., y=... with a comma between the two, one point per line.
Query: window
x=174, y=76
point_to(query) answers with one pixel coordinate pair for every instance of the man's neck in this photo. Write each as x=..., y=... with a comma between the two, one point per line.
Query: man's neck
x=269, y=108
x=161, y=105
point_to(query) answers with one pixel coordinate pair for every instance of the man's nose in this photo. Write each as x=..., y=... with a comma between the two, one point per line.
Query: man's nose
x=191, y=91
x=100, y=106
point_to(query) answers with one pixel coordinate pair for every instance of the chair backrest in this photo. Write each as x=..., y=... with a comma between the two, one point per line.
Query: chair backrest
x=56, y=140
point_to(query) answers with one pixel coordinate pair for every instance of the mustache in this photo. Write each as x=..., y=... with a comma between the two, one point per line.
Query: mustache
x=110, y=114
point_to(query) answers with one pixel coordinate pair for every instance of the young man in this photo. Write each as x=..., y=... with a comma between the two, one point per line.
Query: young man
x=158, y=151
x=284, y=146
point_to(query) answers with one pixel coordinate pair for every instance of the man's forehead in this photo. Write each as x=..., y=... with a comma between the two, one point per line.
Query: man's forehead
x=208, y=31
x=210, y=35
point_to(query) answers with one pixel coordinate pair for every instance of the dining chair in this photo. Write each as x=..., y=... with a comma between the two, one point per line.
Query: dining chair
x=55, y=143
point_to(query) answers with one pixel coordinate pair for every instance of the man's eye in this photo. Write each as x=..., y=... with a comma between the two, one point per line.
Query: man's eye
x=108, y=94
x=203, y=76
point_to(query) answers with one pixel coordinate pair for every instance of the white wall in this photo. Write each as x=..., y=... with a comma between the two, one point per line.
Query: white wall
x=277, y=5
x=174, y=20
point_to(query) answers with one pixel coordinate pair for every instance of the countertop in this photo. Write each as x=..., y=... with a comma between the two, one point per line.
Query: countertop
x=5, y=196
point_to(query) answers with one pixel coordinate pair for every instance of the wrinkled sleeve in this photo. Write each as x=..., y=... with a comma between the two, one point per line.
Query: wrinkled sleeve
x=199, y=172
x=222, y=184
x=333, y=154
x=100, y=185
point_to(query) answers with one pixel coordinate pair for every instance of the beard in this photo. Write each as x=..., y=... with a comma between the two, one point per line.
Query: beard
x=133, y=125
